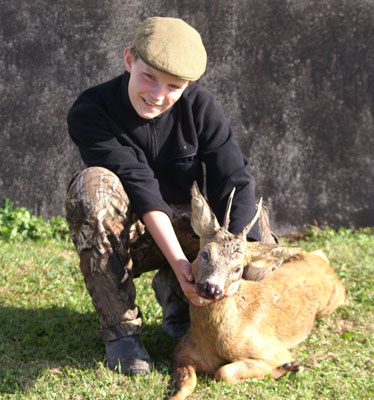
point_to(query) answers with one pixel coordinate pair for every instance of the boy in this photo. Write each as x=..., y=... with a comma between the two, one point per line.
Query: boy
x=146, y=136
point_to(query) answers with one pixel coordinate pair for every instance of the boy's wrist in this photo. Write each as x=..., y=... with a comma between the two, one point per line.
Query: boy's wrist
x=181, y=265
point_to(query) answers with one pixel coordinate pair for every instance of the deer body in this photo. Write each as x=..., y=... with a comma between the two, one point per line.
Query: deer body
x=248, y=334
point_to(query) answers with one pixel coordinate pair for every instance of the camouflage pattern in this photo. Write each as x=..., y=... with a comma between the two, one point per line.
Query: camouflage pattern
x=114, y=247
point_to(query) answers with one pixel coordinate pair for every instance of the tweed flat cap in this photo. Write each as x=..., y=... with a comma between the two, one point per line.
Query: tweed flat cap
x=171, y=45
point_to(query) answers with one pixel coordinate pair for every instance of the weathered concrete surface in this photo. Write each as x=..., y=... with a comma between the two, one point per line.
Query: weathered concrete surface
x=295, y=78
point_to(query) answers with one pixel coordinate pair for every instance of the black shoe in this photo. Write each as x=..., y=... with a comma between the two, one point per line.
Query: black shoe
x=128, y=356
x=175, y=312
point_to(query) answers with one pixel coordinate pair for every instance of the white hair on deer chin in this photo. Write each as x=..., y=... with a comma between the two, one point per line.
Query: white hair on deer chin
x=206, y=301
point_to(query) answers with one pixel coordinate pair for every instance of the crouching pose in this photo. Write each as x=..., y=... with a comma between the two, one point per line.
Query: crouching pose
x=145, y=136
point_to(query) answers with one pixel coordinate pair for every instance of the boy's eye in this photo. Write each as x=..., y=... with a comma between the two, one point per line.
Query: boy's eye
x=149, y=76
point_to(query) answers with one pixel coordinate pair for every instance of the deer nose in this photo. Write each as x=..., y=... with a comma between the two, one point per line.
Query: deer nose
x=209, y=290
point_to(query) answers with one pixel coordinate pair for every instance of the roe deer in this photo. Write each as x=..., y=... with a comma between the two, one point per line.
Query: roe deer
x=248, y=327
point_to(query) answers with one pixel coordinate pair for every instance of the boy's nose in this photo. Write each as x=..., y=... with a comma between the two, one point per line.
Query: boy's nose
x=158, y=93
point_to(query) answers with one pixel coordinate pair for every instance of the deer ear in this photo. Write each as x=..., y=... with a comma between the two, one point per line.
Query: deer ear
x=203, y=221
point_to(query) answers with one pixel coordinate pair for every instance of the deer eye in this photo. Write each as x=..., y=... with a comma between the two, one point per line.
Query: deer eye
x=204, y=255
x=237, y=270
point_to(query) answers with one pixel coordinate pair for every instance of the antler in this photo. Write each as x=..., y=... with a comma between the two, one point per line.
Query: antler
x=254, y=219
x=226, y=220
x=203, y=220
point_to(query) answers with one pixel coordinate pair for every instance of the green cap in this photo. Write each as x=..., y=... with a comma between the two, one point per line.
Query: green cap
x=171, y=45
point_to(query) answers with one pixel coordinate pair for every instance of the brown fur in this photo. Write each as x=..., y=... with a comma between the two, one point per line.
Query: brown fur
x=248, y=334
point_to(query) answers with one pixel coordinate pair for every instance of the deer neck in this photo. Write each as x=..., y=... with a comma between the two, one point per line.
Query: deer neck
x=213, y=317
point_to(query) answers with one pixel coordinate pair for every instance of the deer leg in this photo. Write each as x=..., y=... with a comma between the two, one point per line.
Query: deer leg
x=238, y=371
x=185, y=377
x=256, y=368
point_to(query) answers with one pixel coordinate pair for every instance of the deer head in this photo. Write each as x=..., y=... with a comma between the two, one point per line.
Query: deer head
x=219, y=265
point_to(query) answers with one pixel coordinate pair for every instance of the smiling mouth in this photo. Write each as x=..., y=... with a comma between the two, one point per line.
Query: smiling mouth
x=150, y=104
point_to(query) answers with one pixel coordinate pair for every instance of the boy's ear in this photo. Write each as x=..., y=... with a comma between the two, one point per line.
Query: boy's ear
x=128, y=59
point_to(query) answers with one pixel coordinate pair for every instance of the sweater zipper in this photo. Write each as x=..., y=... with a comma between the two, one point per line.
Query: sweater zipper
x=153, y=132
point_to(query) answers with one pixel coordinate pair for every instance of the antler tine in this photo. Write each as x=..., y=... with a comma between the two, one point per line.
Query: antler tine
x=226, y=220
x=254, y=219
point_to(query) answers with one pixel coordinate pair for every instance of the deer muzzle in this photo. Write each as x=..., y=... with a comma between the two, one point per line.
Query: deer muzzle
x=209, y=290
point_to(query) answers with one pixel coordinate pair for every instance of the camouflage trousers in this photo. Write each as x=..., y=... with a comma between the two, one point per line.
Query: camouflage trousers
x=114, y=247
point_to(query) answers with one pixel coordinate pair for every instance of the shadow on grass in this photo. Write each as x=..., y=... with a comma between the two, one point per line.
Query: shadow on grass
x=32, y=340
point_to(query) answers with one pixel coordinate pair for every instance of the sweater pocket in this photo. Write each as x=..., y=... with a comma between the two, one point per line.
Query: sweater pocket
x=187, y=168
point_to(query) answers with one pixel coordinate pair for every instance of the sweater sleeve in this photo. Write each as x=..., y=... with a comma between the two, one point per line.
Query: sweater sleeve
x=94, y=134
x=226, y=167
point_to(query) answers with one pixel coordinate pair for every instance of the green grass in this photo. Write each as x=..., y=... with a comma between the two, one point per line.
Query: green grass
x=50, y=349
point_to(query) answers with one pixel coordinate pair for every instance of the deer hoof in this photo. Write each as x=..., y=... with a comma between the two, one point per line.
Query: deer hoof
x=294, y=366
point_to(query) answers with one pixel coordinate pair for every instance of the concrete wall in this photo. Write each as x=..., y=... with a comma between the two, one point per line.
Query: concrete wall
x=295, y=78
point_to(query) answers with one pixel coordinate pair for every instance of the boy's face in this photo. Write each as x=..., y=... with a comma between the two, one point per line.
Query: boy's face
x=151, y=92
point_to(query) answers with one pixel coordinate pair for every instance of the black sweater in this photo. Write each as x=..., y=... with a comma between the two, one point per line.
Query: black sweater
x=157, y=160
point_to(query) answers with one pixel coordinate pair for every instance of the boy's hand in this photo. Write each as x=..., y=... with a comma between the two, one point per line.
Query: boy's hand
x=186, y=280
